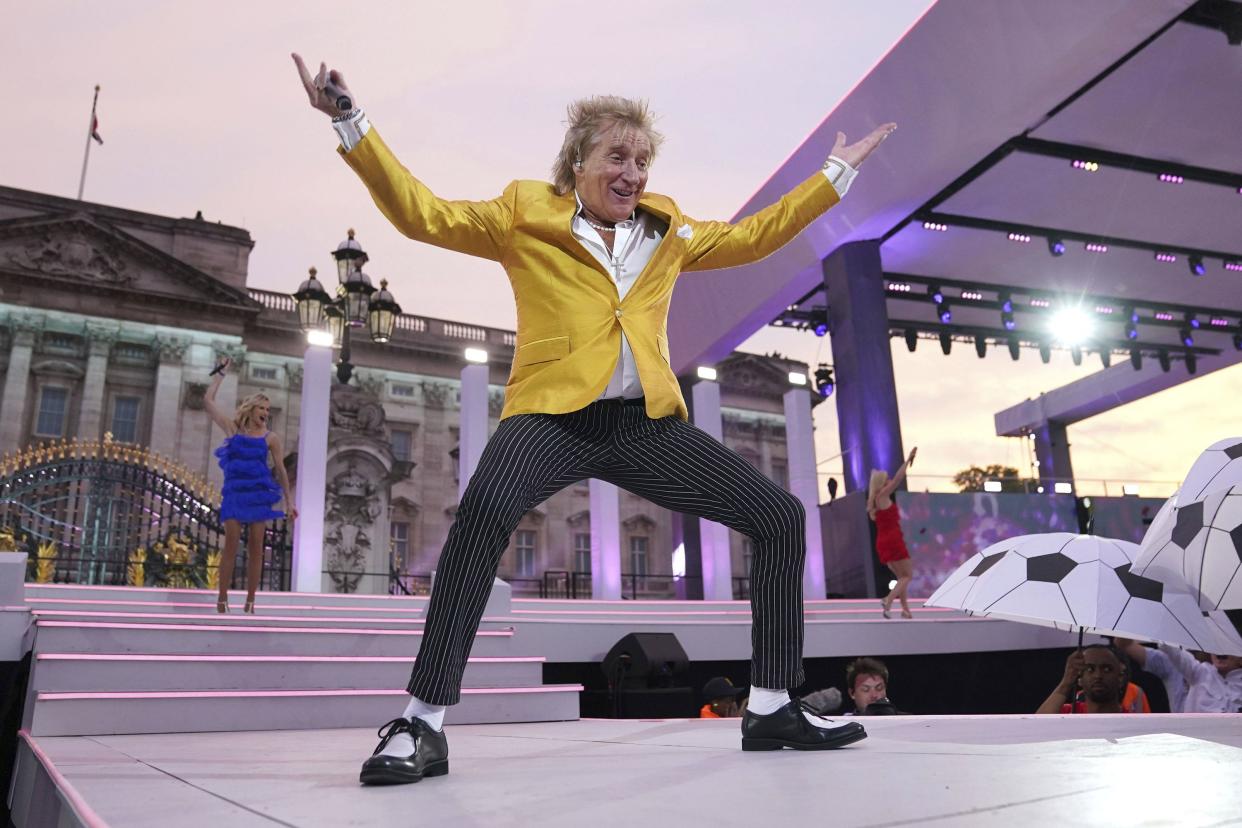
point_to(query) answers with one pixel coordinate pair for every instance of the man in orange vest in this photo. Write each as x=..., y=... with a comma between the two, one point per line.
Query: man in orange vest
x=592, y=258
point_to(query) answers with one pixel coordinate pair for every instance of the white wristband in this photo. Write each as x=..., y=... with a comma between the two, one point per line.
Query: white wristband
x=840, y=174
x=351, y=128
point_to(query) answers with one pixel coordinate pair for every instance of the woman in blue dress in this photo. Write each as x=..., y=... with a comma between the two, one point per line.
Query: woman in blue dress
x=250, y=494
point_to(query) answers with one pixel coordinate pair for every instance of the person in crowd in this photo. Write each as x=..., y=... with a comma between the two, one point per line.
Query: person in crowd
x=889, y=543
x=866, y=681
x=823, y=702
x=723, y=700
x=1212, y=686
x=1099, y=671
x=249, y=494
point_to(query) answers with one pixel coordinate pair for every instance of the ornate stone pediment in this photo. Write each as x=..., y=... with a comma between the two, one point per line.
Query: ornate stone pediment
x=638, y=523
x=81, y=250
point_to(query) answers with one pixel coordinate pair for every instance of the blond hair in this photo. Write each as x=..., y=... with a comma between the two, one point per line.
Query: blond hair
x=588, y=119
x=241, y=420
x=878, y=478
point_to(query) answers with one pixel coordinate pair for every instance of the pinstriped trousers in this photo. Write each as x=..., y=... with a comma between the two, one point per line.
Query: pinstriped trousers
x=667, y=461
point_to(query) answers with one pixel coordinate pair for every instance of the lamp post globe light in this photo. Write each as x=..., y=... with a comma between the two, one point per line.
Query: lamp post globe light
x=357, y=304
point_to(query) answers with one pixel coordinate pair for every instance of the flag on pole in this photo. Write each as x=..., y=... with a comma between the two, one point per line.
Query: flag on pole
x=95, y=128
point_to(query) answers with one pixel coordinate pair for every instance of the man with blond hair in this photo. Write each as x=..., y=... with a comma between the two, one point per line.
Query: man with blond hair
x=592, y=259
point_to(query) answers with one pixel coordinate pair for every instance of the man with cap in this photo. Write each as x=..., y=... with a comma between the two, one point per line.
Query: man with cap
x=722, y=699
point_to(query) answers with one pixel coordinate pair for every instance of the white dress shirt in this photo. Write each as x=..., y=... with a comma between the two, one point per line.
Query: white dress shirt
x=1208, y=691
x=634, y=243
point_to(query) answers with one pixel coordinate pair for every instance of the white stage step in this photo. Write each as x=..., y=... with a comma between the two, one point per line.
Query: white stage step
x=87, y=714
x=129, y=660
x=86, y=672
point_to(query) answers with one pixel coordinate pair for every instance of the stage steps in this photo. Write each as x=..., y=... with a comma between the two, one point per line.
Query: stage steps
x=118, y=660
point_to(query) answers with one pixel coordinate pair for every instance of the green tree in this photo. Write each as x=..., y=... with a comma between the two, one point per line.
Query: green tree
x=973, y=478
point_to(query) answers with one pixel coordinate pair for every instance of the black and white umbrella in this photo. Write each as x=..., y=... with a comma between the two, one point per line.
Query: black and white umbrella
x=1218, y=467
x=1201, y=545
x=1081, y=583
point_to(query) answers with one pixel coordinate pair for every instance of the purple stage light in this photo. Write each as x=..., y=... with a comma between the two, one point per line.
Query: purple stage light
x=1197, y=267
x=935, y=225
x=946, y=315
x=1218, y=322
x=1022, y=238
x=1234, y=266
x=1165, y=257
x=1095, y=247
x=1010, y=324
x=1085, y=166
x=1169, y=178
x=1164, y=316
x=972, y=294
x=1040, y=303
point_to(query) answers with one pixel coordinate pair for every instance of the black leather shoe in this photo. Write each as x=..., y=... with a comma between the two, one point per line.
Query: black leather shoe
x=788, y=728
x=430, y=756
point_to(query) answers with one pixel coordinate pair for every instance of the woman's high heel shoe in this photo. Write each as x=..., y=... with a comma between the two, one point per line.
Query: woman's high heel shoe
x=249, y=607
x=222, y=605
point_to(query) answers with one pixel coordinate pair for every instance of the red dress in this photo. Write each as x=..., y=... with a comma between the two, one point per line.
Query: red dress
x=889, y=544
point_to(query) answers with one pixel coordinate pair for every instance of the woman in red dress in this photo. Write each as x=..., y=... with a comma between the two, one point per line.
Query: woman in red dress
x=889, y=544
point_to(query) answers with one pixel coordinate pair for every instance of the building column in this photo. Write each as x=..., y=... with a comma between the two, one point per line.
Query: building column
x=100, y=340
x=866, y=392
x=166, y=409
x=312, y=474
x=1052, y=452
x=17, y=382
x=605, y=541
x=713, y=537
x=804, y=485
x=473, y=423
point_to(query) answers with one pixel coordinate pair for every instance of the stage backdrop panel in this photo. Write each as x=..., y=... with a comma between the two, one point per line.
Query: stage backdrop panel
x=942, y=529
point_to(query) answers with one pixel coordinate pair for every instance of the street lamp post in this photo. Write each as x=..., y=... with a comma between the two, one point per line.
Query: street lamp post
x=326, y=323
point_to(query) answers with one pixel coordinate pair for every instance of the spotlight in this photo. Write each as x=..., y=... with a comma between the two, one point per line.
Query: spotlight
x=1192, y=320
x=935, y=225
x=946, y=315
x=1008, y=321
x=1232, y=265
x=821, y=328
x=1055, y=246
x=1086, y=166
x=1167, y=258
x=1187, y=337
x=1106, y=357
x=1197, y=268
x=946, y=342
x=1021, y=238
x=1076, y=355
x=1132, y=323
x=1095, y=247
x=1136, y=358
x=1072, y=325
x=1237, y=342
x=981, y=345
x=1192, y=363
x=797, y=378
x=824, y=382
x=706, y=372
x=1045, y=352
x=1164, y=360
x=1014, y=348
x=912, y=339
x=1170, y=178
x=1006, y=303
x=936, y=294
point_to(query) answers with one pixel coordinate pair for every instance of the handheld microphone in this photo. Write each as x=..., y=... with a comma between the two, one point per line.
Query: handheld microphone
x=218, y=369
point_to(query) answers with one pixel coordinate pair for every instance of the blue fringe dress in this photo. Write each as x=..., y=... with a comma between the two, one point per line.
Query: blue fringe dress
x=249, y=490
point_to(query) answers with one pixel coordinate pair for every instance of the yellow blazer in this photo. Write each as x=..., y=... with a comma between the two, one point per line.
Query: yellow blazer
x=570, y=315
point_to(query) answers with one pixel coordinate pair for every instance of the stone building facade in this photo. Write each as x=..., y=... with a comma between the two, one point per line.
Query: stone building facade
x=111, y=320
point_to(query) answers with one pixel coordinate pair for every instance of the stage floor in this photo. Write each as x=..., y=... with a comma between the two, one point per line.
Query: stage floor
x=967, y=771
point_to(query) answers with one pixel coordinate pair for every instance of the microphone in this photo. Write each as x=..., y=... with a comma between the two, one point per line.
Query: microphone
x=218, y=369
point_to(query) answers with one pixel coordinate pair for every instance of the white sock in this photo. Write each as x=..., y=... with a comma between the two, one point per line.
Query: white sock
x=403, y=743
x=764, y=701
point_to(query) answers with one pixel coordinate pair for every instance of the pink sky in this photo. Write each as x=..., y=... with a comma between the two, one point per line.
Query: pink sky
x=201, y=110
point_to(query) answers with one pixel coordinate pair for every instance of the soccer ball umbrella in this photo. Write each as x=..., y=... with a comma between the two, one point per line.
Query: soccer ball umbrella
x=1218, y=467
x=1080, y=582
x=1201, y=544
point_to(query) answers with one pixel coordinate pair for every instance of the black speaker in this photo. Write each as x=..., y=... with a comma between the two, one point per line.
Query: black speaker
x=645, y=660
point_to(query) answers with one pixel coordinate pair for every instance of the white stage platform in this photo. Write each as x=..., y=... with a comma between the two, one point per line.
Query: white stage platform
x=954, y=771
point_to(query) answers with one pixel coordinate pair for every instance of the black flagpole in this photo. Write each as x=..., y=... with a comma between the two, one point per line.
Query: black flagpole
x=86, y=156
